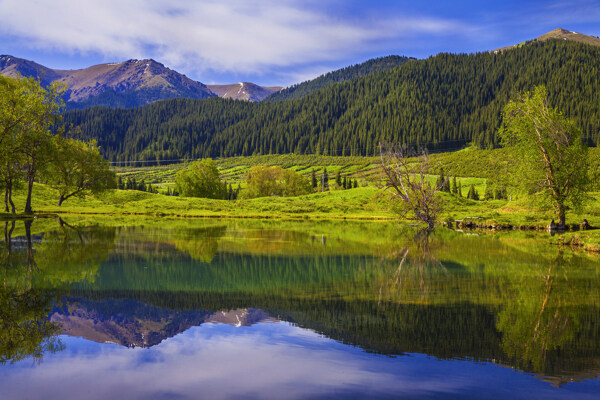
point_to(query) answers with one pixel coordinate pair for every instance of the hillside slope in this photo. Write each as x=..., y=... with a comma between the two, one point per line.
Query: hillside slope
x=340, y=75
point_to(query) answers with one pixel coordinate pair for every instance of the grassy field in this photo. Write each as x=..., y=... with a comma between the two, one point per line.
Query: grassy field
x=367, y=201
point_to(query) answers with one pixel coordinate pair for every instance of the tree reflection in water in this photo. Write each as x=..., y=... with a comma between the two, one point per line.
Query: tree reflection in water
x=33, y=278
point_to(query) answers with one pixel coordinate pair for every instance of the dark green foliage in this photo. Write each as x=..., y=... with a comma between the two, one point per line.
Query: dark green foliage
x=442, y=103
x=472, y=194
x=442, y=182
x=324, y=180
x=338, y=179
x=313, y=179
x=489, y=193
x=341, y=75
x=454, y=188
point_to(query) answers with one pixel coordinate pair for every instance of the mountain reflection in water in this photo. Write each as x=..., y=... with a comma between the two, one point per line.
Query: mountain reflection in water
x=500, y=299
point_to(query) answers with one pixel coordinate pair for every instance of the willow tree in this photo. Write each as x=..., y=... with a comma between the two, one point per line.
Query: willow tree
x=551, y=159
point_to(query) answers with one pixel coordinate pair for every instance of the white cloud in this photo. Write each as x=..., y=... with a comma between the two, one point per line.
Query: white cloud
x=241, y=36
x=269, y=361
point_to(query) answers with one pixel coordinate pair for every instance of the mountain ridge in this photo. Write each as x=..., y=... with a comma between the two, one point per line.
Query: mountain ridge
x=125, y=84
x=558, y=33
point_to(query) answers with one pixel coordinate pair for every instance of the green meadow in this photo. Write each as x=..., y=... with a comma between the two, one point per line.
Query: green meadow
x=366, y=202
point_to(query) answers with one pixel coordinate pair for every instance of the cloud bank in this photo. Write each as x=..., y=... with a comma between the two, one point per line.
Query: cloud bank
x=241, y=36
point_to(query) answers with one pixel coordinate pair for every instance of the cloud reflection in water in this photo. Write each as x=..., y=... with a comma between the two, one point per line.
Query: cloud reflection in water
x=267, y=361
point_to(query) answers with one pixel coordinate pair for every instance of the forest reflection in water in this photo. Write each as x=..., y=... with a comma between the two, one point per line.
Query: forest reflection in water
x=511, y=300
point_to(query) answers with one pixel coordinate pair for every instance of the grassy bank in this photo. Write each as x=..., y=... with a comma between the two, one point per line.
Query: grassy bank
x=367, y=202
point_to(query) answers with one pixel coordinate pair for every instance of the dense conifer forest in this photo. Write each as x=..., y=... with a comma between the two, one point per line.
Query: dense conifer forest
x=445, y=102
x=340, y=75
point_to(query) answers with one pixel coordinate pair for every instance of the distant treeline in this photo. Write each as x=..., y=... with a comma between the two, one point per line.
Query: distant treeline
x=445, y=102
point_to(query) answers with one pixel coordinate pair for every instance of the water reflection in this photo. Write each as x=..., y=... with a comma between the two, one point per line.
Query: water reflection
x=507, y=299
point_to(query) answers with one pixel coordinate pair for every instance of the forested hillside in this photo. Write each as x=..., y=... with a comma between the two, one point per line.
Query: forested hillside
x=340, y=75
x=445, y=102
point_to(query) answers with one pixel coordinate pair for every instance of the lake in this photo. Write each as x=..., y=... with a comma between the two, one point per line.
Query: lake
x=139, y=308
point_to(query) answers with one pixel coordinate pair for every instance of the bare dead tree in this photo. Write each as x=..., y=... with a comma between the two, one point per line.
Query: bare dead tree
x=408, y=184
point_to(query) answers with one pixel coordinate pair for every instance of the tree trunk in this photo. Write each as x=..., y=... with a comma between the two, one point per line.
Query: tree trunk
x=6, y=200
x=28, y=209
x=61, y=198
x=10, y=200
x=561, y=216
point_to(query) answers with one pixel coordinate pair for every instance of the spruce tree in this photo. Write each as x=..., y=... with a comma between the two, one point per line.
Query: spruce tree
x=313, y=179
x=338, y=179
x=454, y=188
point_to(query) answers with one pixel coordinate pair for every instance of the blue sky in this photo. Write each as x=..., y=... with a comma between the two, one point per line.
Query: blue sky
x=277, y=42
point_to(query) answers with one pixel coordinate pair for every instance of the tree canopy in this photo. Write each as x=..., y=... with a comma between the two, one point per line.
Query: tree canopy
x=263, y=181
x=201, y=179
x=552, y=160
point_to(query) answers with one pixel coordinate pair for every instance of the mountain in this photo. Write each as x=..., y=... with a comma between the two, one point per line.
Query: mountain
x=133, y=324
x=244, y=91
x=561, y=34
x=443, y=102
x=340, y=75
x=128, y=84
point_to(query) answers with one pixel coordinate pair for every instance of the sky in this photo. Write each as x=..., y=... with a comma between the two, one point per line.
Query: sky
x=273, y=42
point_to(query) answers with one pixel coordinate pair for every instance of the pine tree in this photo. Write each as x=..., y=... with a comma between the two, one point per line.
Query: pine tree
x=355, y=184
x=489, y=192
x=473, y=195
x=120, y=184
x=338, y=179
x=454, y=188
x=313, y=179
x=325, y=180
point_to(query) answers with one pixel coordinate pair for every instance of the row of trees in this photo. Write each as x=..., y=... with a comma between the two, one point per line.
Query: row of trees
x=35, y=145
x=202, y=179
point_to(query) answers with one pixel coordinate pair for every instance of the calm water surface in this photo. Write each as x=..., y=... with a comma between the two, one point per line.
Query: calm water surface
x=172, y=309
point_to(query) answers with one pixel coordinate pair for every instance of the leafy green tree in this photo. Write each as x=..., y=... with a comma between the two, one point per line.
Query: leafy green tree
x=265, y=181
x=201, y=179
x=552, y=159
x=77, y=168
x=28, y=114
